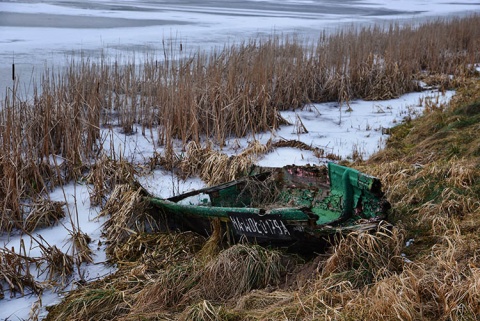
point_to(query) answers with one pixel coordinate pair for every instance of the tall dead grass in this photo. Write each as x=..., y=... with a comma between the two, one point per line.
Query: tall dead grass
x=127, y=215
x=237, y=91
x=430, y=172
x=15, y=270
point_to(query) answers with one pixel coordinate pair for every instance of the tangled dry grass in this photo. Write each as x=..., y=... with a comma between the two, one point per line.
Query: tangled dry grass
x=20, y=272
x=430, y=170
x=238, y=270
x=81, y=247
x=170, y=280
x=239, y=91
x=362, y=276
x=105, y=174
x=15, y=271
x=43, y=213
x=126, y=211
x=215, y=167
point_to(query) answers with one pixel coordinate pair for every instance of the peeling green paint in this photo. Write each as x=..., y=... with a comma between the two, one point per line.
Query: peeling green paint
x=307, y=199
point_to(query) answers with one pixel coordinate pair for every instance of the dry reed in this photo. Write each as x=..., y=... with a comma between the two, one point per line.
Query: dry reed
x=82, y=250
x=105, y=174
x=126, y=209
x=233, y=92
x=214, y=167
x=430, y=170
x=44, y=213
x=240, y=269
x=59, y=265
x=15, y=272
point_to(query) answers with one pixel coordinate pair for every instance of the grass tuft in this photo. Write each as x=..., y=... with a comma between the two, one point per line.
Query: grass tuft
x=44, y=213
x=240, y=269
x=204, y=311
x=364, y=258
x=127, y=215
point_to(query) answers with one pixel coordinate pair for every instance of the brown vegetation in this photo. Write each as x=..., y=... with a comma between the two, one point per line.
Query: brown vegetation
x=53, y=136
x=363, y=276
x=430, y=170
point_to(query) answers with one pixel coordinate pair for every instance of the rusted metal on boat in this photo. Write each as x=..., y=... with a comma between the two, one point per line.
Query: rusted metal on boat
x=291, y=204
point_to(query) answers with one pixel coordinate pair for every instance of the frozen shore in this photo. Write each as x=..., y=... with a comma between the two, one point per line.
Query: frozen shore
x=39, y=34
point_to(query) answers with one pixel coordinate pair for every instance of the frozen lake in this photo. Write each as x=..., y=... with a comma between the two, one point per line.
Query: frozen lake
x=35, y=34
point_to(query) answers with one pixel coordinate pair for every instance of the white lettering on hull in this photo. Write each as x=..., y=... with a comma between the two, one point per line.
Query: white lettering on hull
x=260, y=226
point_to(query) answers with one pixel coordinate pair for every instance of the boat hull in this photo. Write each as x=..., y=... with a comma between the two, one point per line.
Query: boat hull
x=309, y=205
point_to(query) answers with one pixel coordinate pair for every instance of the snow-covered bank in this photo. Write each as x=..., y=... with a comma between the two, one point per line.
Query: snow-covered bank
x=329, y=126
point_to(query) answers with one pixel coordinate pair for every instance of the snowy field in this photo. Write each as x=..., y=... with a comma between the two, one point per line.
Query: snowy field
x=35, y=34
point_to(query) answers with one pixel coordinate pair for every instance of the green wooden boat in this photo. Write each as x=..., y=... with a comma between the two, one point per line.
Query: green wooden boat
x=293, y=204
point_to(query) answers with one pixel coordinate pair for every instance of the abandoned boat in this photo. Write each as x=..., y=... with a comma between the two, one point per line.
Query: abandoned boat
x=292, y=203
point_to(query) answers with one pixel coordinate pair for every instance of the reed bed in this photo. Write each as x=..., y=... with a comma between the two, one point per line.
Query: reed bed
x=236, y=91
x=363, y=276
x=430, y=171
